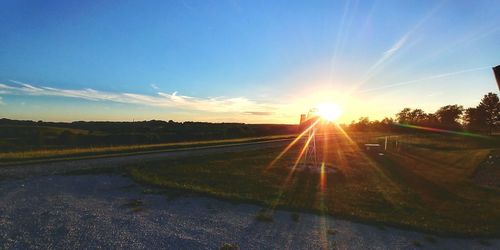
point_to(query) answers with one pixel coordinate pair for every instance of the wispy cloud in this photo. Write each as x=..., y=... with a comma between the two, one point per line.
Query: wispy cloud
x=258, y=113
x=154, y=86
x=161, y=99
x=1, y=101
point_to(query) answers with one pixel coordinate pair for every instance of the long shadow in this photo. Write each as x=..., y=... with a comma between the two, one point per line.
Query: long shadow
x=405, y=177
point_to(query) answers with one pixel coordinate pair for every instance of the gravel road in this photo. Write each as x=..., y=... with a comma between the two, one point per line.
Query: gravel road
x=111, y=211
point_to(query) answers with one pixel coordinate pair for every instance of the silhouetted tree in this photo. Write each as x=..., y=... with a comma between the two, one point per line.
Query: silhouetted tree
x=363, y=123
x=490, y=108
x=417, y=116
x=449, y=115
x=404, y=116
x=431, y=120
x=475, y=119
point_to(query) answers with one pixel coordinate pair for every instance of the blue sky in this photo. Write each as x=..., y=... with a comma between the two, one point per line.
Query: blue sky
x=248, y=61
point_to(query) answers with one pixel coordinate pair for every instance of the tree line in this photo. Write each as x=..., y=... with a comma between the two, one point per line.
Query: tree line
x=483, y=118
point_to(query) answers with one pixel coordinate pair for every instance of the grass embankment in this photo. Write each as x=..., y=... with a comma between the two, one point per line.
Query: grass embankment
x=74, y=153
x=424, y=185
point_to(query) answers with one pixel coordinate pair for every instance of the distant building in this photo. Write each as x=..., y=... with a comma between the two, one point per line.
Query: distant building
x=496, y=70
x=307, y=120
x=302, y=118
x=303, y=121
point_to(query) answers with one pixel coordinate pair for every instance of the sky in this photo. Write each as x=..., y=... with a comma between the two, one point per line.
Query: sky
x=242, y=61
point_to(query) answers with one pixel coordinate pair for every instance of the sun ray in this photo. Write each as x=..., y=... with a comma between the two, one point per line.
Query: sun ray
x=306, y=145
x=375, y=167
x=288, y=179
x=289, y=146
x=431, y=129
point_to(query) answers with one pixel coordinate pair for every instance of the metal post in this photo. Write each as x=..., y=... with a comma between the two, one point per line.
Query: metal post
x=310, y=157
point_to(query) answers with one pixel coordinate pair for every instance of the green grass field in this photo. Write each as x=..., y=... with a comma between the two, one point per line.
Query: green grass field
x=16, y=130
x=425, y=184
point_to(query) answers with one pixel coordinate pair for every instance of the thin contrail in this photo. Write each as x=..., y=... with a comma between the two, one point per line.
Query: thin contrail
x=424, y=79
x=393, y=51
x=342, y=32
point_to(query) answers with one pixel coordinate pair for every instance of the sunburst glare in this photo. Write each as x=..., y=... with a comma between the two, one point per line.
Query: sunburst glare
x=328, y=111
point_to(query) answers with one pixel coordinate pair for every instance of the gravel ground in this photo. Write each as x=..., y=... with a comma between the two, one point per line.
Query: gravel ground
x=111, y=211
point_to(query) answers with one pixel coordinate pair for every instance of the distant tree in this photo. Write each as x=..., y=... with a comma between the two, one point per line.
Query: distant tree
x=387, y=121
x=363, y=123
x=404, y=116
x=431, y=120
x=475, y=119
x=417, y=116
x=449, y=115
x=386, y=124
x=375, y=125
x=490, y=108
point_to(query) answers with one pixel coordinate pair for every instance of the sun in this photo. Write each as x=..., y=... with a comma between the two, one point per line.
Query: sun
x=328, y=111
